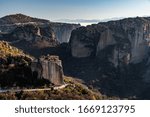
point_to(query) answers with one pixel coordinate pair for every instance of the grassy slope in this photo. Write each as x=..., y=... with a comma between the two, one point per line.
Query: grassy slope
x=74, y=91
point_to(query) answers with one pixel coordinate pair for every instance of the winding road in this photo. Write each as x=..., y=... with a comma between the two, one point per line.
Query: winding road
x=30, y=90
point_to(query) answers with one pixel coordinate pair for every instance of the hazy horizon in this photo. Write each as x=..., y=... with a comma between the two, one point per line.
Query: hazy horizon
x=77, y=11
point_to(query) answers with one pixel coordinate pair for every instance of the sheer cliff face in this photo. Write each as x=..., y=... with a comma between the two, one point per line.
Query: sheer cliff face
x=124, y=41
x=31, y=38
x=50, y=68
x=83, y=41
x=63, y=31
x=122, y=46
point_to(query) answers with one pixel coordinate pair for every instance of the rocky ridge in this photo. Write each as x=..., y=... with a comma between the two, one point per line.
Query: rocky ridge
x=7, y=50
x=34, y=35
x=19, y=18
x=62, y=31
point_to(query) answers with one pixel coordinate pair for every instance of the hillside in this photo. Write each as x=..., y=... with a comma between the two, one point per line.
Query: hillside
x=20, y=18
x=74, y=91
x=15, y=74
x=8, y=50
x=8, y=54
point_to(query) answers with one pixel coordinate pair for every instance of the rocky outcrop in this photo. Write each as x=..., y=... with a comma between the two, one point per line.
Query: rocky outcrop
x=6, y=50
x=31, y=38
x=126, y=40
x=10, y=57
x=32, y=34
x=122, y=45
x=49, y=68
x=61, y=31
x=106, y=39
x=83, y=41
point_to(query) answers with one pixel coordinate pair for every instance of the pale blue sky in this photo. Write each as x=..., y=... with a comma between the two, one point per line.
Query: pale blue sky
x=76, y=9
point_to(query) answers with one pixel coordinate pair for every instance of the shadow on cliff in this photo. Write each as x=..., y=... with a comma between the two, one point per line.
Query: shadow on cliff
x=100, y=74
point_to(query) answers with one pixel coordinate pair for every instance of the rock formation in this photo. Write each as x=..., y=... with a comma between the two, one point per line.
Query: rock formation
x=49, y=68
x=61, y=31
x=34, y=35
x=128, y=39
x=6, y=50
x=123, y=44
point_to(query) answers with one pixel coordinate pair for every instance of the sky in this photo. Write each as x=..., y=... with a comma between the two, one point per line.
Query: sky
x=74, y=10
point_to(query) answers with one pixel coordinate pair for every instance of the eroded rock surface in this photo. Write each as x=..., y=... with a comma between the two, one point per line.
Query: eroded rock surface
x=127, y=39
x=49, y=68
x=34, y=35
x=61, y=31
x=121, y=48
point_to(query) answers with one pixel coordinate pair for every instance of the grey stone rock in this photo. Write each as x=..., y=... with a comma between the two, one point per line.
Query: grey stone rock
x=130, y=38
x=49, y=68
x=62, y=31
x=120, y=43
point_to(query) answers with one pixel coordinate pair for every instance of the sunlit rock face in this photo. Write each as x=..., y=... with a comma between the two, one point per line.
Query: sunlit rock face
x=139, y=38
x=121, y=44
x=106, y=39
x=62, y=31
x=50, y=68
x=128, y=40
x=34, y=35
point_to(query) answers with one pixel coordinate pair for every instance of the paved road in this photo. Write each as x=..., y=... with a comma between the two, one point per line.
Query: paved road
x=27, y=90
